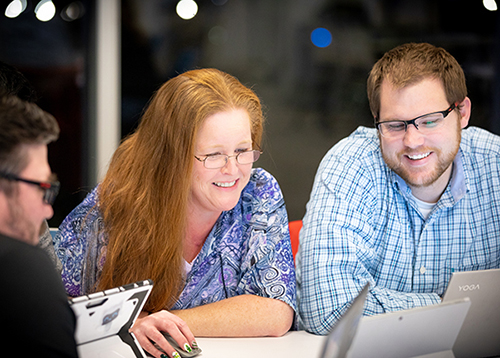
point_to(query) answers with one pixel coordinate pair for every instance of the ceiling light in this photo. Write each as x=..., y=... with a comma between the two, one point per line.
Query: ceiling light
x=15, y=8
x=186, y=9
x=45, y=10
x=490, y=5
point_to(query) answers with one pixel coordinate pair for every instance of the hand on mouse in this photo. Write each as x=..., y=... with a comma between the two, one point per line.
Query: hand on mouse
x=147, y=329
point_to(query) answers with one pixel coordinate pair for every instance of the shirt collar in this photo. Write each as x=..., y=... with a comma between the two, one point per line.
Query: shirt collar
x=458, y=182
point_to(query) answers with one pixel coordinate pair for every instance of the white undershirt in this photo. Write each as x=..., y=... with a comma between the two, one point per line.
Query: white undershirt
x=424, y=207
x=188, y=266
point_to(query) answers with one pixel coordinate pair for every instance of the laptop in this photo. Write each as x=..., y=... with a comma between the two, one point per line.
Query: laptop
x=480, y=333
x=423, y=332
x=103, y=320
x=339, y=339
x=428, y=331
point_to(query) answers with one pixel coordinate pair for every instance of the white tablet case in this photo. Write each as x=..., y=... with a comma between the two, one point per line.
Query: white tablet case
x=103, y=320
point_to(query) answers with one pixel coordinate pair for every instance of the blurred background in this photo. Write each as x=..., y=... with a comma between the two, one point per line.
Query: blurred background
x=308, y=61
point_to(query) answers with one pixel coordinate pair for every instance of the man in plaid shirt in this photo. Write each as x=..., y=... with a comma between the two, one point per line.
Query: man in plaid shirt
x=404, y=205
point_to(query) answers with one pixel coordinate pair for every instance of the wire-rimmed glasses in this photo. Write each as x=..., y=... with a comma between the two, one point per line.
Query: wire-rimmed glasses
x=217, y=161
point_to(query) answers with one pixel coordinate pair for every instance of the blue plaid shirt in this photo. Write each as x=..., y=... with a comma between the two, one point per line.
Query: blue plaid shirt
x=363, y=225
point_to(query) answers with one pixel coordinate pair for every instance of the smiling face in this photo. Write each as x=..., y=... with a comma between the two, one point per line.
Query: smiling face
x=423, y=161
x=217, y=190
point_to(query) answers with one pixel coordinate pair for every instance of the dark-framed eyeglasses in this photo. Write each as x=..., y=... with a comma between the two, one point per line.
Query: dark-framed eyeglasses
x=425, y=123
x=217, y=161
x=50, y=189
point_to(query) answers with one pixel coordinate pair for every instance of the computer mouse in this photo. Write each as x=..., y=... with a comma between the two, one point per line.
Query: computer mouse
x=179, y=349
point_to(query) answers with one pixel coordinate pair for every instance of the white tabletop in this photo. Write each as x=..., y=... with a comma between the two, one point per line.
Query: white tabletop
x=292, y=344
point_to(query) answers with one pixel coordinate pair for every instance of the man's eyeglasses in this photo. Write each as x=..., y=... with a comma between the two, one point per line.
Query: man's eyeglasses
x=50, y=189
x=425, y=123
x=220, y=160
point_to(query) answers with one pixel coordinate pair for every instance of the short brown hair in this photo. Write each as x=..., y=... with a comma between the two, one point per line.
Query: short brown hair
x=409, y=64
x=22, y=123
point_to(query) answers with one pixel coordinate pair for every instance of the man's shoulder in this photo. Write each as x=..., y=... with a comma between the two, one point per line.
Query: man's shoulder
x=361, y=143
x=359, y=151
x=477, y=141
x=12, y=250
x=26, y=262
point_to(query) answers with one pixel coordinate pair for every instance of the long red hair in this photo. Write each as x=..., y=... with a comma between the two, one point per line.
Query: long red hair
x=144, y=194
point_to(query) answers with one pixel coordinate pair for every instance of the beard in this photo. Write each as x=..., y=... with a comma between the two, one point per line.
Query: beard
x=423, y=177
x=20, y=225
x=417, y=178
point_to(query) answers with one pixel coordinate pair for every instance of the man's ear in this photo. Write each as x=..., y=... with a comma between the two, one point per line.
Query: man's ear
x=465, y=109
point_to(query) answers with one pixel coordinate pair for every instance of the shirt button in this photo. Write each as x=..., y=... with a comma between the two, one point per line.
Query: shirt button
x=422, y=270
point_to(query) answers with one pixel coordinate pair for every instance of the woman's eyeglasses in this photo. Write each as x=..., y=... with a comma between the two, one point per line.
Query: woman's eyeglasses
x=50, y=189
x=217, y=161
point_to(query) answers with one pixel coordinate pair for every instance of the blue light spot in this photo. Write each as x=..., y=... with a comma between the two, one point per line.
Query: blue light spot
x=321, y=37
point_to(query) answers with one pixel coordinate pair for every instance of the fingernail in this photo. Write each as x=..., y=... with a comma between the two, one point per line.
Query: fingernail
x=176, y=355
x=194, y=344
x=187, y=348
x=163, y=356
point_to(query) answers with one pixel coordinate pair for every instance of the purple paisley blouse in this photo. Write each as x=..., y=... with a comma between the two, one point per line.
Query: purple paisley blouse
x=248, y=250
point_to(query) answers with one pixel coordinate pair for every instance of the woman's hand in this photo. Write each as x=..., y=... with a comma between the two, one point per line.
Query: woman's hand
x=148, y=330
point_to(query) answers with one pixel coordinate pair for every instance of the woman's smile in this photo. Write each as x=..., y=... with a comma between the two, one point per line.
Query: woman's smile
x=225, y=184
x=218, y=189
